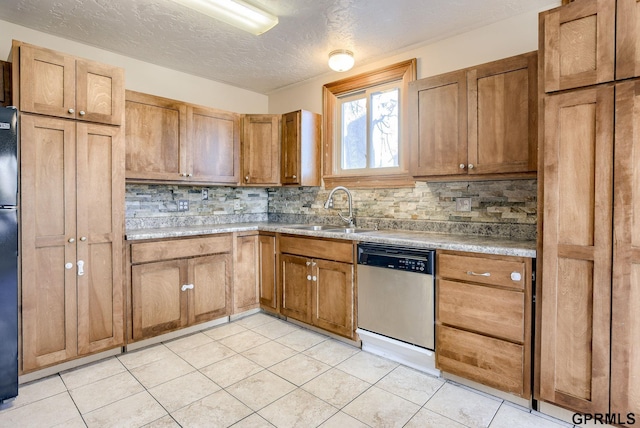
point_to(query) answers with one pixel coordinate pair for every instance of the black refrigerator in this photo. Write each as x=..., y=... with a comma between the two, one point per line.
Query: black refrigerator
x=8, y=253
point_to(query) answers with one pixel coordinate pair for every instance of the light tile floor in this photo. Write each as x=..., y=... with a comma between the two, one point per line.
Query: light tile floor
x=257, y=371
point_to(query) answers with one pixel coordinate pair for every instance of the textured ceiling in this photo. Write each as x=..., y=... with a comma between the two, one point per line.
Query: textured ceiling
x=167, y=34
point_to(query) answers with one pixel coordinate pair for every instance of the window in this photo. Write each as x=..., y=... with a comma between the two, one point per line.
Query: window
x=365, y=128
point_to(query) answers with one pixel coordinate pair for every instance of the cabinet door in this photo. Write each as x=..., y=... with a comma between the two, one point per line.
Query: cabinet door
x=295, y=276
x=156, y=138
x=576, y=283
x=99, y=92
x=48, y=232
x=333, y=297
x=47, y=82
x=100, y=218
x=214, y=145
x=210, y=297
x=291, y=162
x=267, y=262
x=438, y=125
x=502, y=116
x=246, y=267
x=158, y=303
x=579, y=44
x=5, y=84
x=628, y=39
x=261, y=149
x=625, y=331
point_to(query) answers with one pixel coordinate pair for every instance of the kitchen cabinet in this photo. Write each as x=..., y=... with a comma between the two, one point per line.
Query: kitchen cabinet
x=476, y=123
x=56, y=84
x=301, y=140
x=254, y=272
x=5, y=84
x=317, y=282
x=483, y=328
x=72, y=223
x=261, y=150
x=172, y=141
x=179, y=282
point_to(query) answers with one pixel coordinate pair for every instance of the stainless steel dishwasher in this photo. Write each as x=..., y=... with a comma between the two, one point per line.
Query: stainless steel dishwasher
x=396, y=293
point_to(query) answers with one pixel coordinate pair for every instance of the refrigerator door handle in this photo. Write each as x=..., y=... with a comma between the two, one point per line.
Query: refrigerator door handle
x=80, y=267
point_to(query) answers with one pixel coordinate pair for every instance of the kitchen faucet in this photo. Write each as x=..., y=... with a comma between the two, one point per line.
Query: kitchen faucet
x=329, y=204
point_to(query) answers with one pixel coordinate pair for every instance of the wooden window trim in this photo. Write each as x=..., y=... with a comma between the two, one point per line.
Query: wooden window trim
x=405, y=71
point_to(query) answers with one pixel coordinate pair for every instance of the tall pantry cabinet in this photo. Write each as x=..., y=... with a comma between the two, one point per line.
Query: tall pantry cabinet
x=72, y=205
x=589, y=301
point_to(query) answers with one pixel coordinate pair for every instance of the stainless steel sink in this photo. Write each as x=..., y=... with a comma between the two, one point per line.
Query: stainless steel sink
x=347, y=230
x=314, y=227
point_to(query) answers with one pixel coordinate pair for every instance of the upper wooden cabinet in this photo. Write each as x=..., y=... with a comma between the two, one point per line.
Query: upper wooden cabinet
x=5, y=84
x=172, y=141
x=56, y=84
x=588, y=42
x=261, y=149
x=476, y=123
x=300, y=156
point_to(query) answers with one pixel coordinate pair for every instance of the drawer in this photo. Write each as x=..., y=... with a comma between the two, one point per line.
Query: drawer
x=492, y=362
x=341, y=251
x=507, y=272
x=180, y=248
x=493, y=311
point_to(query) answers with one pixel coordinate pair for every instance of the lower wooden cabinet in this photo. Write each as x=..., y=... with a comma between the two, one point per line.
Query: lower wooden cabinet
x=179, y=282
x=317, y=282
x=254, y=282
x=483, y=314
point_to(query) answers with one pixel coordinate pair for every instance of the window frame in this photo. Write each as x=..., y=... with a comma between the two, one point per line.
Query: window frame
x=404, y=72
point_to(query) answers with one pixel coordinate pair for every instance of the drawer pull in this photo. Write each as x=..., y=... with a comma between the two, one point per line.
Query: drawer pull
x=186, y=287
x=478, y=274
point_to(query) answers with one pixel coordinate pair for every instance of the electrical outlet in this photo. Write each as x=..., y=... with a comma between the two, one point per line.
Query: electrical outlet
x=183, y=205
x=463, y=204
x=237, y=206
x=205, y=194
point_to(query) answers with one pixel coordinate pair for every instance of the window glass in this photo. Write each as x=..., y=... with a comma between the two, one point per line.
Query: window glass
x=354, y=134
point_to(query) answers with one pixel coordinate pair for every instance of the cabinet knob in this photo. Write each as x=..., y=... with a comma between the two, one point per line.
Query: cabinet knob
x=83, y=238
x=68, y=266
x=246, y=178
x=516, y=276
x=82, y=113
x=314, y=264
x=294, y=176
x=189, y=175
x=72, y=240
x=308, y=263
x=461, y=166
x=308, y=277
x=71, y=111
x=315, y=278
x=470, y=166
x=182, y=174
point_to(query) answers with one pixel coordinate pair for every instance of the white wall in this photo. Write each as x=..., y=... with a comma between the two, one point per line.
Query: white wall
x=506, y=38
x=142, y=76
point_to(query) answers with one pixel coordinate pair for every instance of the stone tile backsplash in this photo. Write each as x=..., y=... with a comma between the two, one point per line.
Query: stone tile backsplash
x=498, y=208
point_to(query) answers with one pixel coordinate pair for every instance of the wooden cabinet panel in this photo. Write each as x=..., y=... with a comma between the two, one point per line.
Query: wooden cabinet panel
x=333, y=297
x=100, y=226
x=261, y=149
x=502, y=116
x=159, y=304
x=490, y=361
x=214, y=140
x=438, y=125
x=494, y=271
x=579, y=44
x=267, y=261
x=295, y=273
x=5, y=84
x=210, y=297
x=628, y=39
x=340, y=251
x=180, y=248
x=577, y=246
x=300, y=146
x=246, y=283
x=485, y=310
x=156, y=137
x=625, y=329
x=56, y=84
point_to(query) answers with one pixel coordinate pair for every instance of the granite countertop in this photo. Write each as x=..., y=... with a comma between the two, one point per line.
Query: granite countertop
x=469, y=243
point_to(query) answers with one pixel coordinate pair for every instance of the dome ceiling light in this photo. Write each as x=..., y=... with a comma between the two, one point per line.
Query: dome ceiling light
x=341, y=60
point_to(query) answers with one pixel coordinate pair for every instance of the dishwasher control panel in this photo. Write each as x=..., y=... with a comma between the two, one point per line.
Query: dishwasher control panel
x=402, y=258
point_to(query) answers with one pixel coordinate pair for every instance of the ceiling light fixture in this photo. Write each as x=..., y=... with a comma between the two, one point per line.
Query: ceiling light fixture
x=234, y=12
x=341, y=60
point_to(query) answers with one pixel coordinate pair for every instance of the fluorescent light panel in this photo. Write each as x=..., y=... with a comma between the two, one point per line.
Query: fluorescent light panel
x=234, y=12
